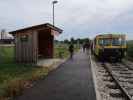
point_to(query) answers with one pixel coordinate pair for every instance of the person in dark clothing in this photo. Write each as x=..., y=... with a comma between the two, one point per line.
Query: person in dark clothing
x=84, y=46
x=71, y=50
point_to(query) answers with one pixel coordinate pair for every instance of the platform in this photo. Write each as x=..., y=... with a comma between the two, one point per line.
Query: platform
x=71, y=81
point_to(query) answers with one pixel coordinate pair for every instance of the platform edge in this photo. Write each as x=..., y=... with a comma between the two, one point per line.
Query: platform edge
x=92, y=63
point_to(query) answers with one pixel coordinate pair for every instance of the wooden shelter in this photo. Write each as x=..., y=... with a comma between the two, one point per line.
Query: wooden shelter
x=34, y=42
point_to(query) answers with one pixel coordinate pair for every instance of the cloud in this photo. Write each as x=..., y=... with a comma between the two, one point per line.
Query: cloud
x=78, y=18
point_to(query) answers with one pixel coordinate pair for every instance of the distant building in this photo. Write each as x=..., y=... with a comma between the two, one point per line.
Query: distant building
x=6, y=41
x=5, y=37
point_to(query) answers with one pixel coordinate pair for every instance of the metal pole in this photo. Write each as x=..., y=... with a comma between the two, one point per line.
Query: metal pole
x=54, y=2
x=53, y=14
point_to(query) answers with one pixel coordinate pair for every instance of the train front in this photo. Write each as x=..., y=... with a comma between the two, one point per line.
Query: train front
x=112, y=46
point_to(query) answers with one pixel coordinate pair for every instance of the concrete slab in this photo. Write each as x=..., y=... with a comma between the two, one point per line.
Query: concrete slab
x=49, y=62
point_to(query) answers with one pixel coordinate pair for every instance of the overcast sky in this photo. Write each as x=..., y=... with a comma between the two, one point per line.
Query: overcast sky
x=78, y=18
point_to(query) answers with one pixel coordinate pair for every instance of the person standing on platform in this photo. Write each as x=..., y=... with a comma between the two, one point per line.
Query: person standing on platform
x=84, y=47
x=71, y=50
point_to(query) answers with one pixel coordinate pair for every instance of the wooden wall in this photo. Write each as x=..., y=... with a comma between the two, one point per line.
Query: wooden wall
x=26, y=50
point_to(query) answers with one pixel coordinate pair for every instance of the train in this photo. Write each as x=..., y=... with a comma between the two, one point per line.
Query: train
x=110, y=46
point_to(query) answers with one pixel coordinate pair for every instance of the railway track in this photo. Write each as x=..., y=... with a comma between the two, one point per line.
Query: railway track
x=123, y=77
x=114, y=80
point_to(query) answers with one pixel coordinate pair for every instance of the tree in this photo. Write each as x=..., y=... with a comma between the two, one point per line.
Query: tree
x=66, y=41
x=72, y=40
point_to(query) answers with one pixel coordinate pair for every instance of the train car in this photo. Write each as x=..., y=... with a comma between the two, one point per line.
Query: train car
x=110, y=46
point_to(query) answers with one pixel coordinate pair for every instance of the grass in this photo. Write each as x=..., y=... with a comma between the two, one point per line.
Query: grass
x=13, y=78
x=61, y=50
x=130, y=49
x=16, y=77
x=6, y=54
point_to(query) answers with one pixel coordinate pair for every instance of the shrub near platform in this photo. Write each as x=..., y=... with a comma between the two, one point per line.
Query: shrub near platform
x=15, y=78
x=130, y=49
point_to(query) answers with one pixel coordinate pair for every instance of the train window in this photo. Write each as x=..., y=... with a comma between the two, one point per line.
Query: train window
x=100, y=42
x=107, y=42
x=123, y=42
x=116, y=42
x=104, y=42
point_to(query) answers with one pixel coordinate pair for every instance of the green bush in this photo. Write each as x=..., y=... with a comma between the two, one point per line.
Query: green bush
x=6, y=54
x=130, y=48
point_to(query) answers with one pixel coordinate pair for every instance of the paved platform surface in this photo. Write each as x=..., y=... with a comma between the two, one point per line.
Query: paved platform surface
x=71, y=81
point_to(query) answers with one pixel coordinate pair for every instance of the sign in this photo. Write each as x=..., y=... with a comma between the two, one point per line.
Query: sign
x=24, y=38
